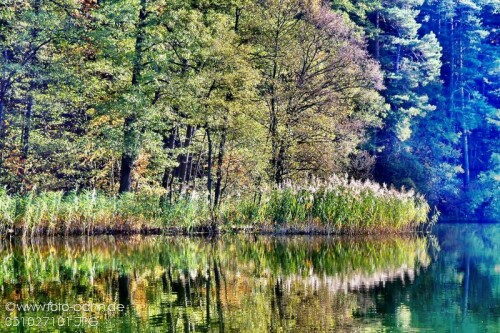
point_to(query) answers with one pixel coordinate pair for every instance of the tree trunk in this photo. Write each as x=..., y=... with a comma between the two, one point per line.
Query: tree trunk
x=462, y=109
x=237, y=19
x=466, y=160
x=398, y=59
x=129, y=154
x=220, y=160
x=124, y=290
x=280, y=165
x=466, y=283
x=280, y=303
x=209, y=171
x=196, y=165
x=27, y=126
x=131, y=132
x=452, y=66
x=273, y=119
x=29, y=106
x=1, y=130
x=217, y=278
x=377, y=38
x=1, y=122
x=187, y=300
x=168, y=145
x=208, y=291
x=184, y=159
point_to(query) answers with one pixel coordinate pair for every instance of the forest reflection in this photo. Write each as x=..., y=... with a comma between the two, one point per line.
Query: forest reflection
x=244, y=283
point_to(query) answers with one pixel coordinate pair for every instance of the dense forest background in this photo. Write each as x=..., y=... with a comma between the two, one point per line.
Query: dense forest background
x=230, y=96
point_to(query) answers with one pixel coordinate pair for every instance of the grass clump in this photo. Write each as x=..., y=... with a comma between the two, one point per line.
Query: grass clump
x=338, y=205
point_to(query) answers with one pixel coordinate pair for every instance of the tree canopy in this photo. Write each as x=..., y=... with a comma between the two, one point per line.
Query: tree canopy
x=230, y=96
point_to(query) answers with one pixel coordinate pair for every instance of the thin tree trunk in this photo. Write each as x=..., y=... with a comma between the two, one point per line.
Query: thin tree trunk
x=185, y=158
x=462, y=110
x=452, y=65
x=189, y=171
x=466, y=160
x=209, y=171
x=197, y=164
x=273, y=126
x=29, y=107
x=237, y=19
x=187, y=299
x=193, y=170
x=174, y=171
x=280, y=165
x=131, y=132
x=1, y=125
x=220, y=160
x=27, y=126
x=2, y=130
x=218, y=296
x=398, y=59
x=208, y=291
x=129, y=155
x=465, y=298
x=273, y=129
x=169, y=145
x=377, y=38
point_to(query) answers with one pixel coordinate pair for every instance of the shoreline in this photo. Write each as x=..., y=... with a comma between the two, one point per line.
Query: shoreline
x=268, y=230
x=336, y=206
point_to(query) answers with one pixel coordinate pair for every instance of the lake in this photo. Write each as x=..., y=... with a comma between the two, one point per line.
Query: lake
x=448, y=281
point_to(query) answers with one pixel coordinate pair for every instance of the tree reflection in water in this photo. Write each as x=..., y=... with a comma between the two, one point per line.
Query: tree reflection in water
x=248, y=283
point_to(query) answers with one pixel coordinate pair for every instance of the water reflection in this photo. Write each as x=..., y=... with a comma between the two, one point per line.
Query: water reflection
x=458, y=292
x=256, y=284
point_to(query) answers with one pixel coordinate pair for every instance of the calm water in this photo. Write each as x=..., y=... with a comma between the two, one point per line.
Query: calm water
x=448, y=282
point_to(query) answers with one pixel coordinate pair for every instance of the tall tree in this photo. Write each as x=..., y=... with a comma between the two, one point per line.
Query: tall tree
x=316, y=76
x=30, y=32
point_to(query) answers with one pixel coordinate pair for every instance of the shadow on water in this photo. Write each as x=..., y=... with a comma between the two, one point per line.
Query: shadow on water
x=449, y=282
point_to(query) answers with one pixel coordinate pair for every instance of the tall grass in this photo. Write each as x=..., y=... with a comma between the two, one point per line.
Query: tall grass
x=90, y=212
x=338, y=205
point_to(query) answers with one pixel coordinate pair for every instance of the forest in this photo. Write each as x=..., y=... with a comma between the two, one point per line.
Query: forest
x=230, y=100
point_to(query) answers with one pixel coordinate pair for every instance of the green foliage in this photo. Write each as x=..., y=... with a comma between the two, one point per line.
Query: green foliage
x=438, y=58
x=486, y=194
x=176, y=98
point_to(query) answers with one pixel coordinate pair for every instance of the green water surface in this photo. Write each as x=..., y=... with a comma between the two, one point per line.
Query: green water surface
x=448, y=281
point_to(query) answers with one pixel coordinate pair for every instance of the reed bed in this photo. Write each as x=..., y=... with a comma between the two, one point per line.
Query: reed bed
x=91, y=212
x=338, y=205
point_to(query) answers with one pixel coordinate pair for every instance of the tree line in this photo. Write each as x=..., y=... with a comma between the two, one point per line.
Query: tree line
x=230, y=96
